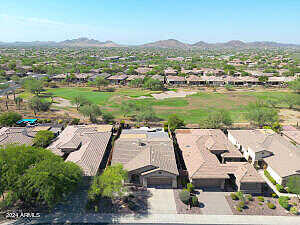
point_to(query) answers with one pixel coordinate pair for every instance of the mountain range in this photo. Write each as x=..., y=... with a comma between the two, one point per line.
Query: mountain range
x=170, y=43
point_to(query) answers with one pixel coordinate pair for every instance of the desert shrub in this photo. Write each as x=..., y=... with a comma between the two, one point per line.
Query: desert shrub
x=294, y=210
x=274, y=195
x=283, y=202
x=260, y=198
x=233, y=196
x=249, y=197
x=238, y=208
x=75, y=121
x=240, y=195
x=195, y=201
x=267, y=174
x=280, y=188
x=190, y=187
x=131, y=205
x=185, y=196
x=271, y=205
x=242, y=204
x=166, y=127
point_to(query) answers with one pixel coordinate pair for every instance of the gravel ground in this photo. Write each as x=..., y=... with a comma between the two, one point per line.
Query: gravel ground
x=253, y=208
x=181, y=208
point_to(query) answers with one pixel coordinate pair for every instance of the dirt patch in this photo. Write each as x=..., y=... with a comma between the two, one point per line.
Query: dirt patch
x=254, y=207
x=182, y=208
x=289, y=116
x=61, y=102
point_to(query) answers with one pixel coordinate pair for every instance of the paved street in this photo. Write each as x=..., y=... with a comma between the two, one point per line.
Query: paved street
x=165, y=219
x=162, y=201
x=214, y=203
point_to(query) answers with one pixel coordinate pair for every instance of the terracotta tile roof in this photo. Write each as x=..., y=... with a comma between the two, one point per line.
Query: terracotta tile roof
x=198, y=145
x=293, y=135
x=139, y=148
x=286, y=156
x=17, y=135
x=87, y=144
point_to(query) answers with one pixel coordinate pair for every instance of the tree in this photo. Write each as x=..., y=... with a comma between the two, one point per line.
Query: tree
x=263, y=79
x=291, y=100
x=33, y=85
x=107, y=117
x=261, y=115
x=39, y=105
x=293, y=185
x=43, y=138
x=295, y=85
x=217, y=119
x=92, y=111
x=79, y=100
x=109, y=184
x=136, y=83
x=174, y=122
x=153, y=85
x=36, y=175
x=100, y=82
x=146, y=114
x=18, y=101
x=9, y=118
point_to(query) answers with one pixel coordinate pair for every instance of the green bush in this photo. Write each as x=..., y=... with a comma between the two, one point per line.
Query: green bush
x=238, y=208
x=260, y=203
x=43, y=138
x=75, y=121
x=195, y=201
x=249, y=197
x=242, y=204
x=240, y=195
x=280, y=188
x=185, y=196
x=284, y=202
x=271, y=205
x=9, y=118
x=274, y=195
x=260, y=198
x=131, y=205
x=190, y=187
x=294, y=210
x=233, y=196
x=267, y=174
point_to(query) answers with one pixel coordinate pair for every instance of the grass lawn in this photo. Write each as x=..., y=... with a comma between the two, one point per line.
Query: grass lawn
x=191, y=108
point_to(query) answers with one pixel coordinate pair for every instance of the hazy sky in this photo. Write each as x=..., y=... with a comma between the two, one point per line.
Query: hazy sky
x=140, y=21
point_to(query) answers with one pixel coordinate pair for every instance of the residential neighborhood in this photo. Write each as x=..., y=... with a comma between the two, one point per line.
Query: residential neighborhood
x=150, y=112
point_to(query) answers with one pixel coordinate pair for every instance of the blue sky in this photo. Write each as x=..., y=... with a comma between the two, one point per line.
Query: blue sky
x=140, y=21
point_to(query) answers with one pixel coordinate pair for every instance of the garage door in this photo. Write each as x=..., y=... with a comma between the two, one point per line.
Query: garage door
x=200, y=183
x=159, y=181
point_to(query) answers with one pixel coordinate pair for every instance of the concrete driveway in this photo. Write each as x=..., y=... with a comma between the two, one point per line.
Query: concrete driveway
x=214, y=203
x=162, y=201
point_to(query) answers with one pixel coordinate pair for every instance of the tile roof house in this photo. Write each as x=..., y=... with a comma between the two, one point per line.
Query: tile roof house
x=148, y=156
x=159, y=77
x=143, y=70
x=175, y=80
x=212, y=161
x=22, y=135
x=117, y=79
x=16, y=135
x=269, y=150
x=85, y=145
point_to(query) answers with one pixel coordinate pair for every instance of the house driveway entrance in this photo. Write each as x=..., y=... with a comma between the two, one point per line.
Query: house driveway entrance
x=214, y=203
x=162, y=201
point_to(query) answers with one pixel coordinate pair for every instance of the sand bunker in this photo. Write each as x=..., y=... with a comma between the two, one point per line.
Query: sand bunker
x=173, y=94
